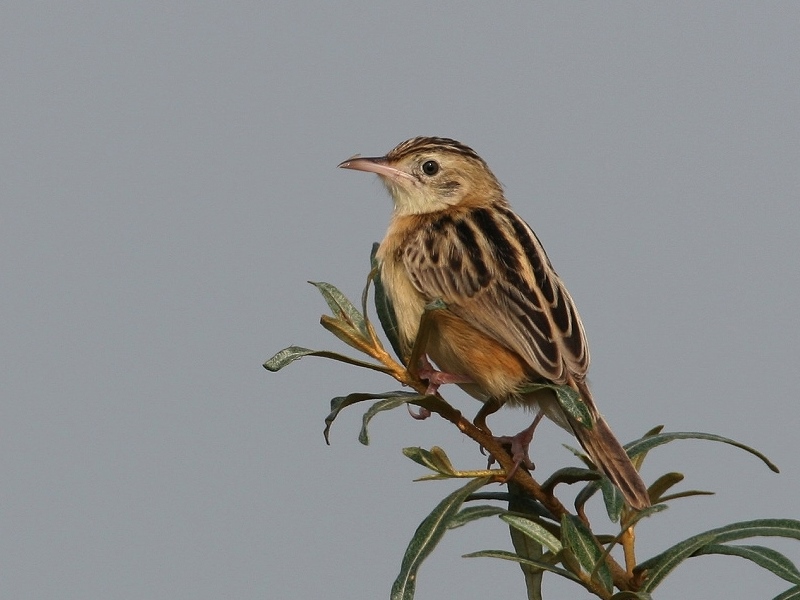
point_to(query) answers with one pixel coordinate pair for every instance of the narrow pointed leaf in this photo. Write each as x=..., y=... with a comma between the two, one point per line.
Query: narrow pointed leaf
x=499, y=496
x=380, y=406
x=568, y=399
x=385, y=309
x=646, y=444
x=612, y=498
x=581, y=456
x=638, y=460
x=441, y=460
x=528, y=548
x=421, y=456
x=638, y=515
x=434, y=459
x=472, y=513
x=686, y=494
x=662, y=565
x=586, y=493
x=427, y=536
x=577, y=538
x=341, y=307
x=662, y=484
x=346, y=332
x=770, y=559
x=339, y=403
x=792, y=593
x=293, y=353
x=569, y=475
x=788, y=528
x=654, y=431
x=573, y=405
x=659, y=566
x=505, y=555
x=535, y=531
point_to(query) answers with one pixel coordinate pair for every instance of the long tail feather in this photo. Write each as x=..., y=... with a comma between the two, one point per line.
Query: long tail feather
x=607, y=453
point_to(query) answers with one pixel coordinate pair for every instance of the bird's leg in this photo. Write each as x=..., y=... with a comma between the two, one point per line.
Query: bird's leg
x=520, y=444
x=436, y=378
x=418, y=362
x=491, y=406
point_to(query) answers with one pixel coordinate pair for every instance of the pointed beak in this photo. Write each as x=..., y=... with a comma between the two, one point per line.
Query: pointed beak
x=379, y=165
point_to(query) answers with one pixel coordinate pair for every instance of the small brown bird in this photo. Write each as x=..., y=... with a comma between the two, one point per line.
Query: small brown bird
x=509, y=321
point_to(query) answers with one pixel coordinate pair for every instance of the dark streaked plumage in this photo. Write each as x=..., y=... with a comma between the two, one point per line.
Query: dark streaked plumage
x=509, y=320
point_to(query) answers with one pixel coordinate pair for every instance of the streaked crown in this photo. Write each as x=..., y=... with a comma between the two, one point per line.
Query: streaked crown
x=423, y=144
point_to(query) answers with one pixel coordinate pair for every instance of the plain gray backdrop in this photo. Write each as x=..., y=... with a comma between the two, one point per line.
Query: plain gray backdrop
x=168, y=185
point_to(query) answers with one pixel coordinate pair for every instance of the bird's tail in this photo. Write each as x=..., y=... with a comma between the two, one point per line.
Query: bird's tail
x=608, y=454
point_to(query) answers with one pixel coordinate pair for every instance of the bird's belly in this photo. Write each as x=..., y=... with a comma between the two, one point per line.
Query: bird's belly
x=458, y=348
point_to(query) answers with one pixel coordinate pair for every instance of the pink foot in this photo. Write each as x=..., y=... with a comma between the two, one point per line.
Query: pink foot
x=437, y=378
x=520, y=445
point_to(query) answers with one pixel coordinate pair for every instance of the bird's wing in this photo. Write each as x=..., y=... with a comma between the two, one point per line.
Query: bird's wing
x=490, y=269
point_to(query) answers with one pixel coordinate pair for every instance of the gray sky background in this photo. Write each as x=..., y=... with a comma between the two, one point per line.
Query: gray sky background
x=168, y=185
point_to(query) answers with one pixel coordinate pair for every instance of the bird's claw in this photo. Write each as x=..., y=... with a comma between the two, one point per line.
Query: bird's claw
x=519, y=445
x=420, y=415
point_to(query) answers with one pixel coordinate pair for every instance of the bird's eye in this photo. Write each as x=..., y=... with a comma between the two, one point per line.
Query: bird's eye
x=430, y=167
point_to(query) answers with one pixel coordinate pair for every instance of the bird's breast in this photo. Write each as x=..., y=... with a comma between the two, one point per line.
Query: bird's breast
x=407, y=302
x=453, y=344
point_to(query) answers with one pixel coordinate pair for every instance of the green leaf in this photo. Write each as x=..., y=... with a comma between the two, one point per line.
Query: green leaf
x=380, y=406
x=770, y=559
x=473, y=513
x=792, y=593
x=427, y=536
x=528, y=548
x=788, y=528
x=686, y=494
x=535, y=531
x=342, y=308
x=662, y=565
x=662, y=484
x=385, y=309
x=420, y=456
x=434, y=459
x=504, y=555
x=569, y=475
x=659, y=566
x=577, y=538
x=499, y=496
x=638, y=515
x=293, y=353
x=631, y=596
x=612, y=498
x=573, y=405
x=587, y=492
x=648, y=443
x=569, y=400
x=345, y=332
x=638, y=460
x=339, y=403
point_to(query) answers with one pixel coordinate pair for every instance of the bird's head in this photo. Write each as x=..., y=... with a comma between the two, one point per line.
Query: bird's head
x=429, y=174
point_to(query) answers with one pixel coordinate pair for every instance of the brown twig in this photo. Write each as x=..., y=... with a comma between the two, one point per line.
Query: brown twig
x=623, y=578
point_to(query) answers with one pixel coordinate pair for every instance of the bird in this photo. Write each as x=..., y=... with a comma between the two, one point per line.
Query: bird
x=507, y=320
